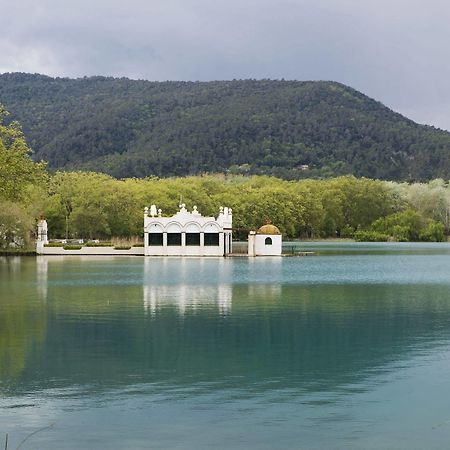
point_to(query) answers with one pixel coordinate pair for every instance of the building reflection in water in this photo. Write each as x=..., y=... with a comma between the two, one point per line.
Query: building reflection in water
x=265, y=291
x=42, y=276
x=188, y=284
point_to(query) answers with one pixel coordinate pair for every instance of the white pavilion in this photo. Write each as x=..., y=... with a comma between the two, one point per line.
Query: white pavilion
x=187, y=233
x=267, y=241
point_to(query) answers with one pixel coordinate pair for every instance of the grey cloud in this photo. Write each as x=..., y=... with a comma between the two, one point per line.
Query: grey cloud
x=395, y=51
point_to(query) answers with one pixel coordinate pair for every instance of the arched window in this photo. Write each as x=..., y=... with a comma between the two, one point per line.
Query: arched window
x=268, y=241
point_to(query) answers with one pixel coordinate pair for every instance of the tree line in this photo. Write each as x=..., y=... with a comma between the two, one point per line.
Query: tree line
x=95, y=205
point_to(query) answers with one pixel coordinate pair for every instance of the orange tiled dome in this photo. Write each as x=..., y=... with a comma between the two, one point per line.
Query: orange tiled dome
x=268, y=229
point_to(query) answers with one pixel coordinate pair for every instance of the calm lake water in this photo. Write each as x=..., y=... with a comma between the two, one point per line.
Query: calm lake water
x=348, y=349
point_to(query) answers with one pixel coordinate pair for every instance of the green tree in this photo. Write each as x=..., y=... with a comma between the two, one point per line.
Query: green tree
x=403, y=226
x=434, y=232
x=16, y=226
x=22, y=186
x=18, y=172
x=89, y=222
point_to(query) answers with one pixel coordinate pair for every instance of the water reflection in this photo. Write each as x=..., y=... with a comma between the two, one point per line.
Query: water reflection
x=23, y=317
x=168, y=282
x=125, y=328
x=187, y=297
x=42, y=276
x=170, y=347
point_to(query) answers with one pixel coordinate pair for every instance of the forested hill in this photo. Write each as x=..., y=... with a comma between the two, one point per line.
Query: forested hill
x=289, y=129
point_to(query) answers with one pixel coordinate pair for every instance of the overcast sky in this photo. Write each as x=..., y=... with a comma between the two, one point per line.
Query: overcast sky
x=396, y=51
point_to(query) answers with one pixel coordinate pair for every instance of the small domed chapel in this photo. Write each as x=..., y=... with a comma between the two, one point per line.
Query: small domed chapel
x=266, y=241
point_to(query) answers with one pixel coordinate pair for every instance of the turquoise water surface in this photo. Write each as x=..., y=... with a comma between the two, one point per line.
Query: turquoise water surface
x=347, y=349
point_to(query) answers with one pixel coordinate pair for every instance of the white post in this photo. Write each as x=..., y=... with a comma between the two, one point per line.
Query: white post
x=42, y=238
x=165, y=243
x=146, y=249
x=251, y=243
x=228, y=249
x=222, y=243
x=183, y=242
x=202, y=243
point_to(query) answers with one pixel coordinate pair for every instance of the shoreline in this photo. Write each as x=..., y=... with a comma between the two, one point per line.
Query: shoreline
x=18, y=253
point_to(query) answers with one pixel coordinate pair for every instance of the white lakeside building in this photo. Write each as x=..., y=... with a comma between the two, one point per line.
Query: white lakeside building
x=187, y=233
x=183, y=234
x=267, y=241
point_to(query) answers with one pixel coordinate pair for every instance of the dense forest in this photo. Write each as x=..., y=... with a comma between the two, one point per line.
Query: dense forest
x=287, y=129
x=92, y=205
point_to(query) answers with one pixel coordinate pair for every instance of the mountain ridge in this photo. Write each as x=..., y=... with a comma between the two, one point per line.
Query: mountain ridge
x=290, y=129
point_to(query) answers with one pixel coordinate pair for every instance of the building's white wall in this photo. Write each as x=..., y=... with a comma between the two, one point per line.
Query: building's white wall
x=173, y=227
x=186, y=250
x=228, y=242
x=42, y=237
x=138, y=251
x=39, y=247
x=188, y=222
x=42, y=229
x=261, y=249
x=214, y=251
x=154, y=250
x=192, y=227
x=154, y=228
x=182, y=222
x=251, y=243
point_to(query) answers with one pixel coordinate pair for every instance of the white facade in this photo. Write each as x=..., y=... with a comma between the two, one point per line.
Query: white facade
x=267, y=241
x=42, y=249
x=90, y=251
x=268, y=244
x=187, y=233
x=42, y=237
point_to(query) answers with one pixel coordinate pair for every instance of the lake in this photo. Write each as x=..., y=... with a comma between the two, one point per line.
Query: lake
x=347, y=349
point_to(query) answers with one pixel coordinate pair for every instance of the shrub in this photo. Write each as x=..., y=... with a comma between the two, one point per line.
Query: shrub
x=370, y=236
x=138, y=245
x=54, y=244
x=347, y=231
x=400, y=233
x=72, y=247
x=405, y=222
x=434, y=232
x=121, y=247
x=98, y=244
